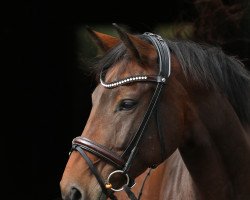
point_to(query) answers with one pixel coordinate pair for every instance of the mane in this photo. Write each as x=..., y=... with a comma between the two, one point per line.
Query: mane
x=209, y=66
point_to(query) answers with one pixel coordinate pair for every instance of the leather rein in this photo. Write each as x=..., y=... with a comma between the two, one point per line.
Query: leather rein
x=82, y=144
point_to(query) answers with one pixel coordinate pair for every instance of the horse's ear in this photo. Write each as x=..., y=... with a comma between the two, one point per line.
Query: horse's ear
x=104, y=41
x=140, y=49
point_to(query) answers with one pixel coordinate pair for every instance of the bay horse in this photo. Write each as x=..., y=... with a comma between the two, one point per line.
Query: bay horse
x=159, y=101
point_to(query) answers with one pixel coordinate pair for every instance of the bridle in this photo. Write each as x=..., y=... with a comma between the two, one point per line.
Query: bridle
x=82, y=144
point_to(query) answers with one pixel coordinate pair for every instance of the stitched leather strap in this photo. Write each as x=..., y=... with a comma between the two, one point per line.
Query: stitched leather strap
x=107, y=193
x=100, y=151
x=91, y=167
x=130, y=194
x=164, y=71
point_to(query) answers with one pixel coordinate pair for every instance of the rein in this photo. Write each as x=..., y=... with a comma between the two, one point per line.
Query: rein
x=123, y=165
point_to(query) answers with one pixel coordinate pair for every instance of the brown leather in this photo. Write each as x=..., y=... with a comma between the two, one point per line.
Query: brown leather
x=158, y=79
x=99, y=150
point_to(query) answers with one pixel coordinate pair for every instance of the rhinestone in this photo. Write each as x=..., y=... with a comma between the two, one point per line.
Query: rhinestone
x=163, y=79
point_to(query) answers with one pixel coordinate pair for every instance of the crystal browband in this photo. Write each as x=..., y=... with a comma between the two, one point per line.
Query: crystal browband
x=139, y=78
x=159, y=43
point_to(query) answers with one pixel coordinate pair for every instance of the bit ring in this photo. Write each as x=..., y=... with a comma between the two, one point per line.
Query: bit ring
x=116, y=172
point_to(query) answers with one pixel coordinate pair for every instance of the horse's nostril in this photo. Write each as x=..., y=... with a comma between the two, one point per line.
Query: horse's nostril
x=75, y=194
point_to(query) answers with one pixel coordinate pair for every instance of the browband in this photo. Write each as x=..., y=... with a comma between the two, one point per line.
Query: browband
x=160, y=78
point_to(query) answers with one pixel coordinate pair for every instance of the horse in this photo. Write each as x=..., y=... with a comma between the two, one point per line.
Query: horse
x=157, y=101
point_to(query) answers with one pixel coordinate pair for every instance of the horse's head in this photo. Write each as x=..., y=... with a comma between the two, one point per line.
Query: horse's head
x=117, y=122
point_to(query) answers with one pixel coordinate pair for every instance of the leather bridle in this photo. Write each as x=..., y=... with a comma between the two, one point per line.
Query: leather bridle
x=82, y=144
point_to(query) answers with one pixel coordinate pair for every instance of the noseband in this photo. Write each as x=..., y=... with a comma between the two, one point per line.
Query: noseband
x=82, y=144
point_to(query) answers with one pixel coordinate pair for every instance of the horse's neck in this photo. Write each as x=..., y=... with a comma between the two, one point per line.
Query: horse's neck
x=217, y=150
x=177, y=183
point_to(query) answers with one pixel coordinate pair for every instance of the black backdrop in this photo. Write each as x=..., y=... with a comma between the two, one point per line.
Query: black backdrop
x=64, y=92
x=48, y=94
x=48, y=97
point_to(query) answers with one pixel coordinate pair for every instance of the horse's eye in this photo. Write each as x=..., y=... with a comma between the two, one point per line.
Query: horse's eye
x=127, y=104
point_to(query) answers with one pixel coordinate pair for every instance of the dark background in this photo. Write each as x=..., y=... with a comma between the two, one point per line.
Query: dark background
x=48, y=95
